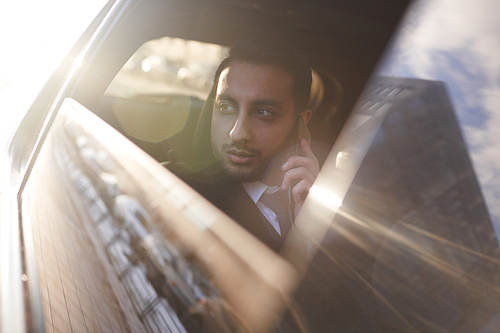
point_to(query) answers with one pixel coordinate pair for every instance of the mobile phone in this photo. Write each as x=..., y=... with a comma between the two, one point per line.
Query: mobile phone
x=274, y=174
x=303, y=132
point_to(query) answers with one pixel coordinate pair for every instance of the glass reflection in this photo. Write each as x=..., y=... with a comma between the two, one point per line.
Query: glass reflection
x=412, y=240
x=135, y=245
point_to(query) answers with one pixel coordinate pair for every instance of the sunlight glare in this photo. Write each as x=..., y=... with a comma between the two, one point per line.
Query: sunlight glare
x=326, y=197
x=36, y=35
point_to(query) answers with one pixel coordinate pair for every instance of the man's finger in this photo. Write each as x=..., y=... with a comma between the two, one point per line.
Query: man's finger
x=310, y=161
x=300, y=190
x=297, y=173
x=300, y=161
x=306, y=149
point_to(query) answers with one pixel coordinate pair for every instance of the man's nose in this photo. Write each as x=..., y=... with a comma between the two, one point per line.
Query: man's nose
x=241, y=131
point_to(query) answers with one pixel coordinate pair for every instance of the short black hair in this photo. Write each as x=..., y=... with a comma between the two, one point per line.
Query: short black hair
x=266, y=50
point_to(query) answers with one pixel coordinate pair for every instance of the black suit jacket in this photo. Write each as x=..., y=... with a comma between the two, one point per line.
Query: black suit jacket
x=322, y=297
x=230, y=197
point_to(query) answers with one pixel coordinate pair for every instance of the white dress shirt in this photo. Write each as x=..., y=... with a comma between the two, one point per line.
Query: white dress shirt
x=255, y=191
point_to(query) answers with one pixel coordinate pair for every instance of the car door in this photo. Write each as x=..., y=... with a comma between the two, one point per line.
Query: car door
x=404, y=244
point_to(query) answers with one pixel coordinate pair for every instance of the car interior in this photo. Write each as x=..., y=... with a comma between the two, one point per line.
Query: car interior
x=150, y=76
x=342, y=41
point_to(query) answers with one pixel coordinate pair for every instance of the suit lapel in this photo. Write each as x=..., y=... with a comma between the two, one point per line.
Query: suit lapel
x=240, y=207
x=230, y=197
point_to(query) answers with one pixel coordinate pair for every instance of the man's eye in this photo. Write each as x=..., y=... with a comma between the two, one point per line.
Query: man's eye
x=264, y=112
x=226, y=108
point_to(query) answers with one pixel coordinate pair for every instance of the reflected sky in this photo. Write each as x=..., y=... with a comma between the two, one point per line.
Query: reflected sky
x=457, y=41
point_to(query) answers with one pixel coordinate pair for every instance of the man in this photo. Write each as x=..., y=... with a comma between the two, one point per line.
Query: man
x=249, y=143
x=256, y=112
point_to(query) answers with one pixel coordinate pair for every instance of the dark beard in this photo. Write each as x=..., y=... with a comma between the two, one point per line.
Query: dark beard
x=266, y=166
x=240, y=173
x=245, y=176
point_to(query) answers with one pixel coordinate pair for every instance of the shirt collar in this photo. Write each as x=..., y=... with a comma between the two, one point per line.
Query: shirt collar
x=255, y=189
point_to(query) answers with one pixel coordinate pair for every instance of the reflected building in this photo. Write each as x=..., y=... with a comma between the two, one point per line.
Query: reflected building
x=414, y=235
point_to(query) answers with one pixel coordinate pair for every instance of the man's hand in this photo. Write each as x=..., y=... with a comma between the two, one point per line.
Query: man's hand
x=305, y=169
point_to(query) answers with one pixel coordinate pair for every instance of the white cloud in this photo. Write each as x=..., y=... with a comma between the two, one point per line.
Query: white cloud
x=448, y=25
x=487, y=158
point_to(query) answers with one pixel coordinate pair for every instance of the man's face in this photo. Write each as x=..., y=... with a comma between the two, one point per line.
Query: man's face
x=253, y=118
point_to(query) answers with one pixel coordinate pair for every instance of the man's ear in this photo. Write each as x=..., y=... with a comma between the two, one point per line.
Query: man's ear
x=306, y=115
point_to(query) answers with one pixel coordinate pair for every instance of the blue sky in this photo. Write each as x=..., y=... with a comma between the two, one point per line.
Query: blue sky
x=458, y=42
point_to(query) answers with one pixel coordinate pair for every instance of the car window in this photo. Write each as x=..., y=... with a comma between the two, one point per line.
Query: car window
x=384, y=233
x=161, y=88
x=394, y=236
x=166, y=66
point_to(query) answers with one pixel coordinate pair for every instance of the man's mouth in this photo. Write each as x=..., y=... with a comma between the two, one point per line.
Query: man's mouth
x=240, y=156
